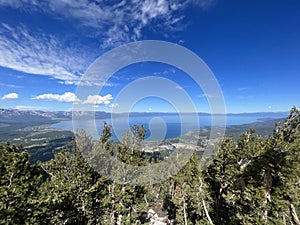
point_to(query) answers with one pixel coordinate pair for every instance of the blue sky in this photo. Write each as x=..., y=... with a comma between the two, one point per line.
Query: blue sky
x=252, y=47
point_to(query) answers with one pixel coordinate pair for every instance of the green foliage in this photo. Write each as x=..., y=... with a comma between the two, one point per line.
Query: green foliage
x=129, y=150
x=73, y=193
x=255, y=180
x=106, y=133
x=19, y=182
x=251, y=180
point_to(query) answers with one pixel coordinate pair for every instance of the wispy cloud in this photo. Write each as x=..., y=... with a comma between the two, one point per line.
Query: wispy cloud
x=181, y=41
x=10, y=96
x=10, y=85
x=27, y=107
x=112, y=23
x=207, y=95
x=178, y=87
x=165, y=72
x=41, y=54
x=119, y=21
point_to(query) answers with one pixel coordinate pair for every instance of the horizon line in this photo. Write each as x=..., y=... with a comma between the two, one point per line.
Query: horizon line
x=154, y=112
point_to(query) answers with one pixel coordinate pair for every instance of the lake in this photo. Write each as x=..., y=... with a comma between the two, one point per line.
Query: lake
x=162, y=126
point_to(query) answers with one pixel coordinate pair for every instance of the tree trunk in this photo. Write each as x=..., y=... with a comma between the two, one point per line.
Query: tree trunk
x=112, y=194
x=206, y=212
x=294, y=215
x=267, y=182
x=283, y=220
x=184, y=208
x=119, y=222
x=146, y=201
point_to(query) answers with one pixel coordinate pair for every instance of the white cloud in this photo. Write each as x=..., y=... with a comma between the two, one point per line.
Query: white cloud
x=26, y=107
x=66, y=97
x=165, y=72
x=118, y=21
x=179, y=87
x=181, y=41
x=71, y=97
x=206, y=95
x=152, y=9
x=41, y=54
x=12, y=3
x=114, y=105
x=10, y=96
x=98, y=100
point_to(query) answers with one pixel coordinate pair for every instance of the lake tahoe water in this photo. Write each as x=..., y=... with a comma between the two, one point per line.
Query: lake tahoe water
x=159, y=127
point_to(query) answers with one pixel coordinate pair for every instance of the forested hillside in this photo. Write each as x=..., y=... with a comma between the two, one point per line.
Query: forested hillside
x=253, y=180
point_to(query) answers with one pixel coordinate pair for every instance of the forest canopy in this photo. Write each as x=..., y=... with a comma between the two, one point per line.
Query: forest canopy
x=252, y=180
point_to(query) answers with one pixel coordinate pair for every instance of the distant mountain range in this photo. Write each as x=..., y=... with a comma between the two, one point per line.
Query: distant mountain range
x=33, y=130
x=19, y=115
x=16, y=116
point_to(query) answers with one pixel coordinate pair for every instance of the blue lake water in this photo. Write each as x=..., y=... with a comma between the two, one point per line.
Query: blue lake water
x=159, y=127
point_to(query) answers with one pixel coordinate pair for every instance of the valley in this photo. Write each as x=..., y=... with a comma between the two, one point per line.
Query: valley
x=33, y=130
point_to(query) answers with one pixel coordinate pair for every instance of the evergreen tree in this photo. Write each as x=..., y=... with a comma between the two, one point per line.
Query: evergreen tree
x=253, y=180
x=19, y=182
x=256, y=180
x=185, y=195
x=73, y=192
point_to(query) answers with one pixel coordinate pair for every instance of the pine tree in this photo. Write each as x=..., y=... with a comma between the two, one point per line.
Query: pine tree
x=255, y=180
x=19, y=182
x=185, y=195
x=73, y=192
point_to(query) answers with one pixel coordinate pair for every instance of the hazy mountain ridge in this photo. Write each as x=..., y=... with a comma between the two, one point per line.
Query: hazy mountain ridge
x=16, y=114
x=32, y=128
x=20, y=114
